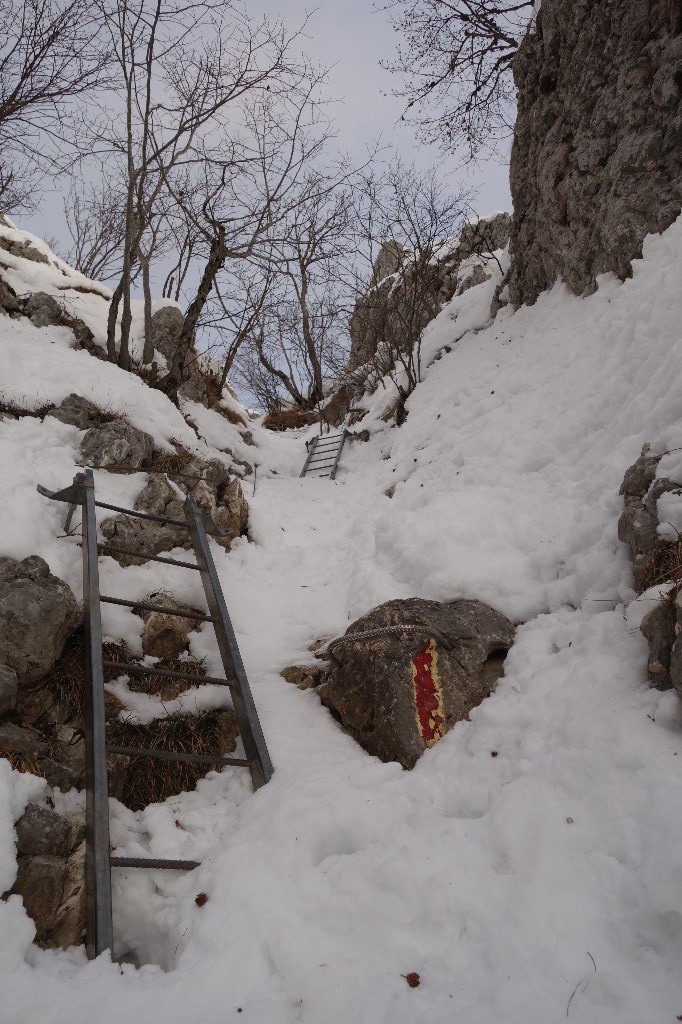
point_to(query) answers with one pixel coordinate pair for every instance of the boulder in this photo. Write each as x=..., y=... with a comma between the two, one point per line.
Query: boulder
x=40, y=830
x=37, y=613
x=118, y=447
x=676, y=648
x=166, y=636
x=227, y=508
x=166, y=326
x=40, y=882
x=8, y=297
x=78, y=412
x=43, y=310
x=8, y=689
x=14, y=739
x=658, y=626
x=51, y=874
x=399, y=690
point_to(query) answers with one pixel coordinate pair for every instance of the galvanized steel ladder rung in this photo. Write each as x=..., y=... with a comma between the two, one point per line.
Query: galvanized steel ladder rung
x=98, y=861
x=325, y=453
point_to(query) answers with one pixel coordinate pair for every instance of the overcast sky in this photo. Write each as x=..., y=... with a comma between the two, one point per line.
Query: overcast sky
x=353, y=37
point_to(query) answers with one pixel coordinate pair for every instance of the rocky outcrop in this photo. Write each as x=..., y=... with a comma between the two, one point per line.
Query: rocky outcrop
x=656, y=561
x=391, y=284
x=597, y=157
x=159, y=499
x=51, y=874
x=184, y=375
x=45, y=310
x=215, y=491
x=639, y=521
x=37, y=613
x=118, y=447
x=402, y=298
x=79, y=412
x=403, y=675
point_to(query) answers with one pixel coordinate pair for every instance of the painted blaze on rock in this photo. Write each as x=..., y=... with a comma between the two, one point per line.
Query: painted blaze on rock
x=428, y=696
x=400, y=692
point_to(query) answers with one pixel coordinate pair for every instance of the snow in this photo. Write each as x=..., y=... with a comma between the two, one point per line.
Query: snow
x=537, y=885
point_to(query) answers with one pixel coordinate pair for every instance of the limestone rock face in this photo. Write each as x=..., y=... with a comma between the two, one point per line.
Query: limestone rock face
x=37, y=613
x=400, y=691
x=596, y=162
x=117, y=446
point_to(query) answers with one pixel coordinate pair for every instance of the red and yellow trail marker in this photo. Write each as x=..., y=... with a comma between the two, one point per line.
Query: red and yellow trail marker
x=428, y=696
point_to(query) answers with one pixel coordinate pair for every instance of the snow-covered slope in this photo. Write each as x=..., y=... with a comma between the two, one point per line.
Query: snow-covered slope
x=538, y=884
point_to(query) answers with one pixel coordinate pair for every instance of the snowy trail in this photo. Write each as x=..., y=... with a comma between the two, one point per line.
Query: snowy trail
x=534, y=886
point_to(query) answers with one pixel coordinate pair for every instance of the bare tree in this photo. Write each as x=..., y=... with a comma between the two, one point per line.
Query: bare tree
x=95, y=220
x=51, y=56
x=240, y=202
x=184, y=70
x=455, y=63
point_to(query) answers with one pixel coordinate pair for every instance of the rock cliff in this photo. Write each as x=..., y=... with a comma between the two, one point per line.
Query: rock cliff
x=597, y=155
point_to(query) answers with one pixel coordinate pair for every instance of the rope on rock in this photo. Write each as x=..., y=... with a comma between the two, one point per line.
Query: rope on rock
x=371, y=634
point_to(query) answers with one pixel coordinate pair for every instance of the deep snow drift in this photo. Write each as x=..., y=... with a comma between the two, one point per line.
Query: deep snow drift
x=536, y=885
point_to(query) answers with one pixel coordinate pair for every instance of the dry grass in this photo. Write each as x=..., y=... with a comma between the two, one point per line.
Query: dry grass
x=290, y=419
x=173, y=462
x=10, y=409
x=148, y=781
x=24, y=763
x=664, y=566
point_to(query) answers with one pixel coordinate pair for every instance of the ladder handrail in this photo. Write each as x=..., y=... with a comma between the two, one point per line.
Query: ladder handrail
x=99, y=927
x=311, y=450
x=242, y=699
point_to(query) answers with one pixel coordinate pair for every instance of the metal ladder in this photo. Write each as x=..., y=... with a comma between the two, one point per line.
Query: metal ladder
x=98, y=859
x=325, y=453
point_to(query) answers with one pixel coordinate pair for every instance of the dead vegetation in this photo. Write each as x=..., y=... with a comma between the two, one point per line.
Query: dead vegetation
x=149, y=781
x=664, y=565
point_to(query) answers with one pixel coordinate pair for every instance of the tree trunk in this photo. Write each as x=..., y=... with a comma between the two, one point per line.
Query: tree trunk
x=148, y=353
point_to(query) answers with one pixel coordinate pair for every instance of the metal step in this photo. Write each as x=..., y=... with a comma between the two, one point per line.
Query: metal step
x=142, y=515
x=103, y=548
x=129, y=668
x=148, y=862
x=162, y=609
x=176, y=755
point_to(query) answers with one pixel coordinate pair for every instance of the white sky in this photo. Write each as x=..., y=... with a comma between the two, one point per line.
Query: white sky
x=354, y=36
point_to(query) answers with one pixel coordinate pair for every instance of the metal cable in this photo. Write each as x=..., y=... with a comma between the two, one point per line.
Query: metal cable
x=370, y=634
